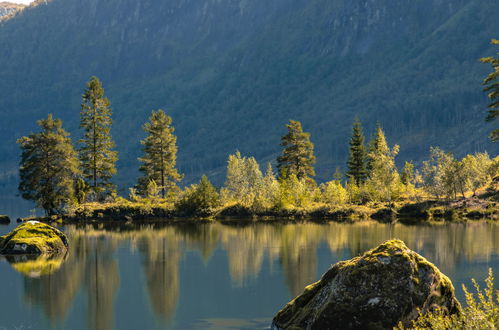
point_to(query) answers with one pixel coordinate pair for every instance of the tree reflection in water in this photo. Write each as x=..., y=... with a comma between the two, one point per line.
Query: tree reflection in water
x=91, y=266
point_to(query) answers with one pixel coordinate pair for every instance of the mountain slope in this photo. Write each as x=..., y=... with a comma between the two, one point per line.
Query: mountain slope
x=233, y=72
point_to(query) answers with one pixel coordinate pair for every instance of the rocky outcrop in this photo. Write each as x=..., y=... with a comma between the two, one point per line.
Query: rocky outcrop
x=4, y=219
x=387, y=285
x=8, y=9
x=33, y=237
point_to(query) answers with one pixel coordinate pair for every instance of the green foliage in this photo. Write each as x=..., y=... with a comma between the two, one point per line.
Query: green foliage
x=332, y=192
x=481, y=312
x=294, y=192
x=357, y=154
x=408, y=175
x=160, y=155
x=96, y=153
x=48, y=167
x=491, y=83
x=477, y=169
x=434, y=171
x=81, y=190
x=298, y=155
x=199, y=200
x=244, y=180
x=383, y=182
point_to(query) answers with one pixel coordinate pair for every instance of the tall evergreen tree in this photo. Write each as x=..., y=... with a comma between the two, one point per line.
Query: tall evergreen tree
x=377, y=146
x=48, y=167
x=96, y=152
x=491, y=83
x=298, y=156
x=160, y=154
x=357, y=155
x=383, y=176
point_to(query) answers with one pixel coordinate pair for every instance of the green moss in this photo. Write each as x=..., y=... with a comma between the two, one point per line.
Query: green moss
x=33, y=238
x=375, y=290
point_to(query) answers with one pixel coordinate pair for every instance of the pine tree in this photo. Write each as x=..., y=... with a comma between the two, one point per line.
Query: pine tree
x=377, y=145
x=298, y=156
x=382, y=172
x=48, y=167
x=357, y=155
x=96, y=152
x=160, y=154
x=492, y=87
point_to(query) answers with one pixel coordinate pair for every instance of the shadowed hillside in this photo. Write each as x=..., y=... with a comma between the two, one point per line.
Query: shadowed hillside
x=231, y=73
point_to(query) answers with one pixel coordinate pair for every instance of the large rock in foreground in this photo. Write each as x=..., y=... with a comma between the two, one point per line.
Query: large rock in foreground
x=33, y=237
x=377, y=290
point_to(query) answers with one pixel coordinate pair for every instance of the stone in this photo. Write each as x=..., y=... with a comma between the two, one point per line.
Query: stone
x=4, y=219
x=386, y=285
x=33, y=237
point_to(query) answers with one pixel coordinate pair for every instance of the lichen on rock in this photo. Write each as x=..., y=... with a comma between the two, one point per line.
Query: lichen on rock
x=33, y=237
x=387, y=285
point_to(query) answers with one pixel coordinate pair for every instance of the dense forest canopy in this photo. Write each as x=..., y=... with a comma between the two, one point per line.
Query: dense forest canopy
x=230, y=73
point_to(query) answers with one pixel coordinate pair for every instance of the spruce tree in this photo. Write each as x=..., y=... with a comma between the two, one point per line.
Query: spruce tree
x=298, y=156
x=357, y=154
x=377, y=146
x=383, y=176
x=96, y=152
x=48, y=167
x=491, y=83
x=160, y=154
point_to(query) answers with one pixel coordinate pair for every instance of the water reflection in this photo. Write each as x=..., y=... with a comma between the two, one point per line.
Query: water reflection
x=97, y=254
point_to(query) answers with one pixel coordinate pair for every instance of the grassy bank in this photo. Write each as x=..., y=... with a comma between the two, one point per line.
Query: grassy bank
x=124, y=210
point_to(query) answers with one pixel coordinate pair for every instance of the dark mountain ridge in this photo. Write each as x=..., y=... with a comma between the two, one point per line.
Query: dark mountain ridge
x=231, y=73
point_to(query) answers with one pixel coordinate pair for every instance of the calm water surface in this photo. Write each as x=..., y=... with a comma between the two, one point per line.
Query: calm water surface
x=210, y=276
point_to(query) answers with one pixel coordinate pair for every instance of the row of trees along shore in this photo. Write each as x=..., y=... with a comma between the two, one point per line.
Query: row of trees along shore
x=58, y=176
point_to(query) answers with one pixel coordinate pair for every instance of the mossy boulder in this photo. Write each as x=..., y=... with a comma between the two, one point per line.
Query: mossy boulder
x=4, y=219
x=387, y=285
x=33, y=237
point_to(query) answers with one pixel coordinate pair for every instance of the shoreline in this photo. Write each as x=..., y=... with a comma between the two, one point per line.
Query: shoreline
x=409, y=212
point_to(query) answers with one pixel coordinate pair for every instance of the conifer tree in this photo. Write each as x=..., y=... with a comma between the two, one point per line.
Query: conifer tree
x=96, y=153
x=382, y=173
x=357, y=154
x=160, y=154
x=48, y=167
x=377, y=145
x=298, y=156
x=491, y=83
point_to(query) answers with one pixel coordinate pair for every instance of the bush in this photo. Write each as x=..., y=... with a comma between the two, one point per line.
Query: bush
x=481, y=312
x=199, y=200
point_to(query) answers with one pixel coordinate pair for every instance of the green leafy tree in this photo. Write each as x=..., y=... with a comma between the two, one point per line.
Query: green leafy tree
x=357, y=155
x=96, y=153
x=491, y=83
x=383, y=179
x=298, y=155
x=48, y=167
x=243, y=181
x=160, y=155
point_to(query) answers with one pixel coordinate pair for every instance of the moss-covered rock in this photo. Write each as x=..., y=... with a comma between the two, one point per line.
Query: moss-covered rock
x=387, y=285
x=33, y=237
x=4, y=219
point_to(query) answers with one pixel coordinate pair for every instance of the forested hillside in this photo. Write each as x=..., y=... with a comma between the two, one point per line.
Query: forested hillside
x=231, y=73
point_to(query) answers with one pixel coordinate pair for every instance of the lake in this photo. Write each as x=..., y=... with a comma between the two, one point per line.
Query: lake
x=210, y=276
